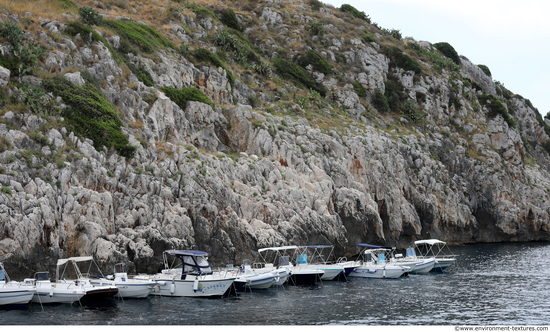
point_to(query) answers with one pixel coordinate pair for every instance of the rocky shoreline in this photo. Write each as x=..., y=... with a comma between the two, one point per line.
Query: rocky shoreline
x=232, y=178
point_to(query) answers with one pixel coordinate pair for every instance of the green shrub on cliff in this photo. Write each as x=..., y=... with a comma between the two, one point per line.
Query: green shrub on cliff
x=315, y=60
x=496, y=107
x=395, y=93
x=297, y=75
x=485, y=70
x=448, y=51
x=379, y=101
x=399, y=59
x=147, y=39
x=89, y=16
x=354, y=12
x=204, y=55
x=183, y=95
x=24, y=54
x=90, y=115
x=229, y=18
x=359, y=89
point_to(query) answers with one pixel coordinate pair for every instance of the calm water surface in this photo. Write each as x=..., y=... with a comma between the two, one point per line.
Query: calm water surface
x=496, y=284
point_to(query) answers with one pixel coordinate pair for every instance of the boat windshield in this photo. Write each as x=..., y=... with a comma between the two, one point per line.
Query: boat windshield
x=120, y=268
x=195, y=265
x=203, y=264
x=189, y=265
x=42, y=276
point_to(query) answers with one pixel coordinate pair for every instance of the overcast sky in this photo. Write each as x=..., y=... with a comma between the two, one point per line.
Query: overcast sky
x=512, y=38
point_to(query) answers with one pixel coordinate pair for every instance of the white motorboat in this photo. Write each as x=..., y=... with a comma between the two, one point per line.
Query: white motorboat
x=249, y=278
x=94, y=292
x=374, y=264
x=283, y=273
x=127, y=287
x=417, y=264
x=349, y=266
x=299, y=274
x=194, y=279
x=318, y=261
x=53, y=292
x=12, y=293
x=436, y=249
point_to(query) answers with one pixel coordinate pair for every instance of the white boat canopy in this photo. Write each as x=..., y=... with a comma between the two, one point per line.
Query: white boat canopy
x=430, y=242
x=74, y=259
x=278, y=248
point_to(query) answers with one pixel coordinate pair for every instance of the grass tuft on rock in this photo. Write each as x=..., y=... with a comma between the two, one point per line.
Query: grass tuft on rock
x=147, y=39
x=183, y=95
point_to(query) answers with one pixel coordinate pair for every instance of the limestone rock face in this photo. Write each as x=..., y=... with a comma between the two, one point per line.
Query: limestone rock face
x=473, y=71
x=4, y=76
x=260, y=169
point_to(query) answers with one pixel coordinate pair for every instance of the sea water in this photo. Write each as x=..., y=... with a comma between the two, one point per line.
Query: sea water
x=496, y=284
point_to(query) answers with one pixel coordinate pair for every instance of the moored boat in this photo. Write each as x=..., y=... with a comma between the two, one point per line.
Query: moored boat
x=436, y=249
x=251, y=279
x=12, y=293
x=417, y=264
x=299, y=274
x=318, y=260
x=94, y=293
x=54, y=292
x=374, y=264
x=194, y=278
x=127, y=287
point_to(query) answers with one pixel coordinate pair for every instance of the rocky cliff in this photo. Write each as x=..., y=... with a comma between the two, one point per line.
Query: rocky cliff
x=393, y=143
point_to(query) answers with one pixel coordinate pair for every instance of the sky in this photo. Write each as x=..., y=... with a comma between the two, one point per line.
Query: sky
x=512, y=38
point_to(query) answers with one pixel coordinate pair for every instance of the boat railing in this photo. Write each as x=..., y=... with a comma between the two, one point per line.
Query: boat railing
x=227, y=272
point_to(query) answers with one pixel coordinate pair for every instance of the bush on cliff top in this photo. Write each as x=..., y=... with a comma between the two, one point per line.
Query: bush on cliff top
x=90, y=115
x=485, y=70
x=448, y=51
x=183, y=95
x=355, y=12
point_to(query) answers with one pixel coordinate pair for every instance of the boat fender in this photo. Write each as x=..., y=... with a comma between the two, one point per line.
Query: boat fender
x=195, y=284
x=51, y=291
x=384, y=273
x=172, y=288
x=162, y=283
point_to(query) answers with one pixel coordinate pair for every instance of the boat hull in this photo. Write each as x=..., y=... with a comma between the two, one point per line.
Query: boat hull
x=330, y=274
x=424, y=267
x=15, y=297
x=417, y=265
x=45, y=297
x=297, y=278
x=94, y=294
x=262, y=281
x=130, y=288
x=379, y=272
x=188, y=288
x=135, y=290
x=442, y=264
